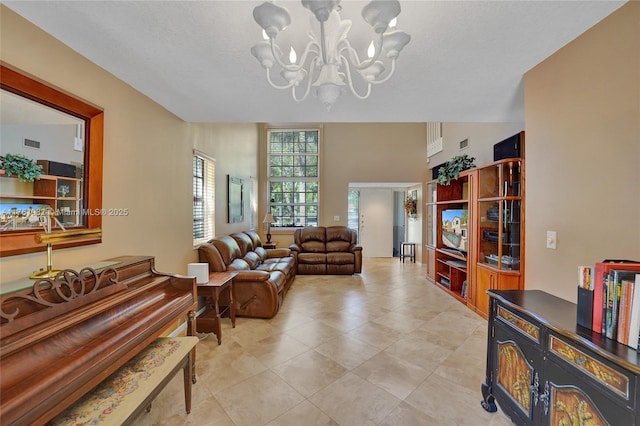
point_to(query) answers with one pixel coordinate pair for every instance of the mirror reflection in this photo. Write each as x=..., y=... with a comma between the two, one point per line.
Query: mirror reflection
x=52, y=140
x=51, y=156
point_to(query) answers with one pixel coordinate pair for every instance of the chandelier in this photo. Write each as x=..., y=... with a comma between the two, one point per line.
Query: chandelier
x=329, y=64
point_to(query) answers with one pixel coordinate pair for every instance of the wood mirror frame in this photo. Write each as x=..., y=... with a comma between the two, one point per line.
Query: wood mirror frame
x=23, y=241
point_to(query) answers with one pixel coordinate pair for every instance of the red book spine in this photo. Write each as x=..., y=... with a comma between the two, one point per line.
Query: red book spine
x=601, y=269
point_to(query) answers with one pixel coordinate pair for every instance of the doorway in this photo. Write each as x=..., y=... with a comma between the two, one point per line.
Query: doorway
x=376, y=222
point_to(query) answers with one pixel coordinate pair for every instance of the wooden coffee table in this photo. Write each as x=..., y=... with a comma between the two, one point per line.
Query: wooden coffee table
x=211, y=291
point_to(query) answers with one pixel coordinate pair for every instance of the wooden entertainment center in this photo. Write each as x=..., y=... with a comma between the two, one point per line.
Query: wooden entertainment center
x=475, y=232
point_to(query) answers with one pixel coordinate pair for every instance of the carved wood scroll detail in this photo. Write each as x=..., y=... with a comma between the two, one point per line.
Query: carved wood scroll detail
x=68, y=285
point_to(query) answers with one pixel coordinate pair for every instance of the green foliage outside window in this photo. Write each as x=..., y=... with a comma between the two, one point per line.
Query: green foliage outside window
x=293, y=177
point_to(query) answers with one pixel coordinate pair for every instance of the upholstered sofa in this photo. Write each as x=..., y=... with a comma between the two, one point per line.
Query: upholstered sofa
x=329, y=250
x=264, y=276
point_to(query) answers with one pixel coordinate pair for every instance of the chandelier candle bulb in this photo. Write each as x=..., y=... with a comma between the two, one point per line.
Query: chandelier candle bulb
x=329, y=63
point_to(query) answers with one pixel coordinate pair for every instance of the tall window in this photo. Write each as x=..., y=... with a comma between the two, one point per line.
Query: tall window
x=294, y=176
x=204, y=185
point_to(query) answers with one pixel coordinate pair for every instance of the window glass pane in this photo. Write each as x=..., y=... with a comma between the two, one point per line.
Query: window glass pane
x=203, y=199
x=293, y=177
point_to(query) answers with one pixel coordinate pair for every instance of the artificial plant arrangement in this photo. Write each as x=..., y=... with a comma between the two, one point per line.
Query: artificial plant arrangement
x=411, y=206
x=24, y=168
x=452, y=168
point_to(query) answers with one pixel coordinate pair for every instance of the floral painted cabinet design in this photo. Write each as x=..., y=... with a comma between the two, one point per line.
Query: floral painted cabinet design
x=542, y=370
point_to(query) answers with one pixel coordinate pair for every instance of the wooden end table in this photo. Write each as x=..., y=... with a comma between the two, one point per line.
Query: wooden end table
x=408, y=250
x=211, y=291
x=271, y=245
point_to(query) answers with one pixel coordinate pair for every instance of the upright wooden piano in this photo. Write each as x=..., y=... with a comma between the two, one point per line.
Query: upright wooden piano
x=60, y=338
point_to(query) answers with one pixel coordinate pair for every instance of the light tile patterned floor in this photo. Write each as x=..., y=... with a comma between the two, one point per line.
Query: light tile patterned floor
x=382, y=348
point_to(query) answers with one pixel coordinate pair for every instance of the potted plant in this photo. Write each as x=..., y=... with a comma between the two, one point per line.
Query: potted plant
x=24, y=168
x=452, y=168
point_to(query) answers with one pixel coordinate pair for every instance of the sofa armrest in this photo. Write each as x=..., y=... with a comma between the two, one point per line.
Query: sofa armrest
x=252, y=275
x=355, y=248
x=281, y=252
x=295, y=247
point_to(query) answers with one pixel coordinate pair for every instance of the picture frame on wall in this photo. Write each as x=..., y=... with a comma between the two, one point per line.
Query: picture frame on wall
x=235, y=209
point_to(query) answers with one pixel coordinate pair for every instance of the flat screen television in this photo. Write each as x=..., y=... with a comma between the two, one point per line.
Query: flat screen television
x=455, y=233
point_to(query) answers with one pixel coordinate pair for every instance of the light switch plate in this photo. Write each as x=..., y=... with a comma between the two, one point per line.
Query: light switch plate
x=336, y=218
x=552, y=239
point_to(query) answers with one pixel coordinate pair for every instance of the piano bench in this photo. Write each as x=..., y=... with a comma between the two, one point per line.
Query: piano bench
x=124, y=395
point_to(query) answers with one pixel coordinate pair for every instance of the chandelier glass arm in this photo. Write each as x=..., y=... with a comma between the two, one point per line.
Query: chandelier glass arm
x=355, y=60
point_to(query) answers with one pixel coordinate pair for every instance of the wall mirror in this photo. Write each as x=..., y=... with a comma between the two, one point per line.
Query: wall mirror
x=235, y=209
x=63, y=134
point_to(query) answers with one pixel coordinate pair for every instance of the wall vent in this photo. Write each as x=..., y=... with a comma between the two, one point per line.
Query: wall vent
x=464, y=143
x=32, y=144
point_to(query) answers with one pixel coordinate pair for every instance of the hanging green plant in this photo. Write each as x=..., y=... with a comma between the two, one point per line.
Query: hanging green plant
x=24, y=168
x=452, y=168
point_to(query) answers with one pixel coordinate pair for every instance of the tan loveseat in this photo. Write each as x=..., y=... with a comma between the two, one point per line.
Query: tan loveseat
x=332, y=250
x=264, y=276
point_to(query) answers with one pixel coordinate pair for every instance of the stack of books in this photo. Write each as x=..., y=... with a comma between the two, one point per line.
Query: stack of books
x=615, y=292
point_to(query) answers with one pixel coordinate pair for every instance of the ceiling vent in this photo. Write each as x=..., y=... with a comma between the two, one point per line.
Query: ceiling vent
x=32, y=144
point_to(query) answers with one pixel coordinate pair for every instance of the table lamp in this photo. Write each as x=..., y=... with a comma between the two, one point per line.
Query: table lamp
x=268, y=219
x=200, y=271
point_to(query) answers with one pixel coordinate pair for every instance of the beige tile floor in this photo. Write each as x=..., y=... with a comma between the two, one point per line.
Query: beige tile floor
x=382, y=348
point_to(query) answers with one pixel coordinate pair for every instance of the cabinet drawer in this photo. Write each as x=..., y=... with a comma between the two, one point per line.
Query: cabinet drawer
x=617, y=382
x=519, y=323
x=574, y=400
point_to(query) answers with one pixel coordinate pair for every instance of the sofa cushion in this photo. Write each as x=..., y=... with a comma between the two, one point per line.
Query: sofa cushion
x=312, y=258
x=255, y=238
x=260, y=252
x=312, y=240
x=244, y=242
x=228, y=248
x=252, y=259
x=238, y=265
x=282, y=266
x=208, y=253
x=340, y=258
x=339, y=238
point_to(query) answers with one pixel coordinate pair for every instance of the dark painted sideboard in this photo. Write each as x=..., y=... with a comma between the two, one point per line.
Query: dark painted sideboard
x=544, y=369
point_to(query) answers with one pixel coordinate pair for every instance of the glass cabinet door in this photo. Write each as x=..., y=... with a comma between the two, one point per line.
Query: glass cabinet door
x=510, y=253
x=489, y=182
x=510, y=184
x=489, y=214
x=430, y=213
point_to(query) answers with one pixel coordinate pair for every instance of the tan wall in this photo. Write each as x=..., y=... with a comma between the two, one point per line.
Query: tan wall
x=147, y=157
x=368, y=152
x=361, y=152
x=234, y=147
x=582, y=114
x=481, y=137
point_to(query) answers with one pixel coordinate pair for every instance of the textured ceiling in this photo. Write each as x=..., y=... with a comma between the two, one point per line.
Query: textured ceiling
x=465, y=62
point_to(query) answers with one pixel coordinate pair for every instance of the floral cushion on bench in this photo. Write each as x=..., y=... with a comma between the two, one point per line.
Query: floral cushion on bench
x=116, y=398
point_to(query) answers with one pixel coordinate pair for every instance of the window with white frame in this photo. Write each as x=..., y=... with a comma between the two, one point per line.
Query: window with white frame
x=204, y=185
x=293, y=171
